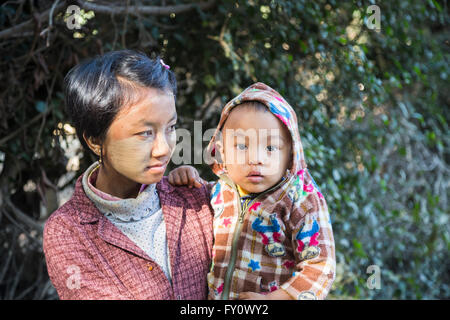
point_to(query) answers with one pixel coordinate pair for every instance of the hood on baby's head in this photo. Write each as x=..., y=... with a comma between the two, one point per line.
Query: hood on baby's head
x=279, y=107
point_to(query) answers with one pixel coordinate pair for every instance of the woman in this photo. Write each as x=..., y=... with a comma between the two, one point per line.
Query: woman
x=126, y=233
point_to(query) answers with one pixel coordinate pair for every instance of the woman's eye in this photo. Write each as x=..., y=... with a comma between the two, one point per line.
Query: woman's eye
x=147, y=133
x=173, y=127
x=271, y=148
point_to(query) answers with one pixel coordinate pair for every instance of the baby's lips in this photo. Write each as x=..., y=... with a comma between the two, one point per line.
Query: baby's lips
x=254, y=173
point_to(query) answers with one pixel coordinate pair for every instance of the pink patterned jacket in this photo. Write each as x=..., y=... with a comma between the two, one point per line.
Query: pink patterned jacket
x=89, y=258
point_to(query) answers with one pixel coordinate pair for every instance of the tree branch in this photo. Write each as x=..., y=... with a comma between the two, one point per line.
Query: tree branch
x=35, y=119
x=150, y=10
x=22, y=217
x=99, y=8
x=42, y=17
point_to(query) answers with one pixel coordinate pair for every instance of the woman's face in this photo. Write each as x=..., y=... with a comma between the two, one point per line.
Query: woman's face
x=141, y=139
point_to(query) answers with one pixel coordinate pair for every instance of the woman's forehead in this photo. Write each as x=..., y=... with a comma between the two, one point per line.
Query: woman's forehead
x=152, y=104
x=155, y=108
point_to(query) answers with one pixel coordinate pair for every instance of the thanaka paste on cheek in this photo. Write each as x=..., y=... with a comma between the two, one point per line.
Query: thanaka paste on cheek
x=132, y=156
x=129, y=152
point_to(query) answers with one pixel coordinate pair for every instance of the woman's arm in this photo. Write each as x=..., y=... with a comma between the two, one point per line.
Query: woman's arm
x=72, y=269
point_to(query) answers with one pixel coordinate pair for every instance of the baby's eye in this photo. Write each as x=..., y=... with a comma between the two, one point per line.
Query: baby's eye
x=241, y=146
x=271, y=148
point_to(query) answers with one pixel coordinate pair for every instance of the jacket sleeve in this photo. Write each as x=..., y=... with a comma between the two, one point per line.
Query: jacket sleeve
x=313, y=245
x=209, y=185
x=71, y=267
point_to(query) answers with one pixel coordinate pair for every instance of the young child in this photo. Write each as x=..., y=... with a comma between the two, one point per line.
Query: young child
x=272, y=231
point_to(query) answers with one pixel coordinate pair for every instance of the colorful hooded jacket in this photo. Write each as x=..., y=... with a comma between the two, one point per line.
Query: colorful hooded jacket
x=283, y=238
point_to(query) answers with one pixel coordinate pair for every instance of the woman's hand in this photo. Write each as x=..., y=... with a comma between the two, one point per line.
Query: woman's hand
x=185, y=176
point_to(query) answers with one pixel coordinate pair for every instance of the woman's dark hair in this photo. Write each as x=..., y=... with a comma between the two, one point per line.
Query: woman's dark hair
x=96, y=89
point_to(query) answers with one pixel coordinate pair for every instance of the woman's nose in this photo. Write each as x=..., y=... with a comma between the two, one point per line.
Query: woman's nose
x=161, y=146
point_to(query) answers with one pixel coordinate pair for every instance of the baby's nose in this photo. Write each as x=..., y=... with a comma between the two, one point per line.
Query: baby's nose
x=256, y=157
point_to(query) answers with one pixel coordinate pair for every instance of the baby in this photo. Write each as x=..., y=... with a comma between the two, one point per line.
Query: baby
x=272, y=231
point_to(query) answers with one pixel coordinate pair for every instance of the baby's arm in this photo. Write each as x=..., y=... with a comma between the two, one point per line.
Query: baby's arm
x=279, y=294
x=186, y=176
x=313, y=244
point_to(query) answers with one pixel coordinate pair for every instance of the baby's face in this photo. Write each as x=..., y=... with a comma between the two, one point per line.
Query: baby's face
x=256, y=149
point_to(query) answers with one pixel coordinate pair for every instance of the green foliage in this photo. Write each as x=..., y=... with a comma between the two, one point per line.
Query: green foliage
x=372, y=109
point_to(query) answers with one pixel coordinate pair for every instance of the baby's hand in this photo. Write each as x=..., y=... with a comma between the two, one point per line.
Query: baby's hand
x=185, y=176
x=278, y=294
x=252, y=296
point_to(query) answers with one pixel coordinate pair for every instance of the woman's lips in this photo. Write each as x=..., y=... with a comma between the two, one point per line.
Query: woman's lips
x=157, y=168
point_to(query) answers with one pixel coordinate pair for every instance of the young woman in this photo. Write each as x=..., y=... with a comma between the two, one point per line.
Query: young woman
x=126, y=233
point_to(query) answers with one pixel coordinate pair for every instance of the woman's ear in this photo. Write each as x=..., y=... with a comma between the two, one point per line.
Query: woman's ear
x=93, y=144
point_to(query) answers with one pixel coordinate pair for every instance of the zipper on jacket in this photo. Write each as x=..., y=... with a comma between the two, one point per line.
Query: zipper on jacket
x=231, y=265
x=236, y=234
